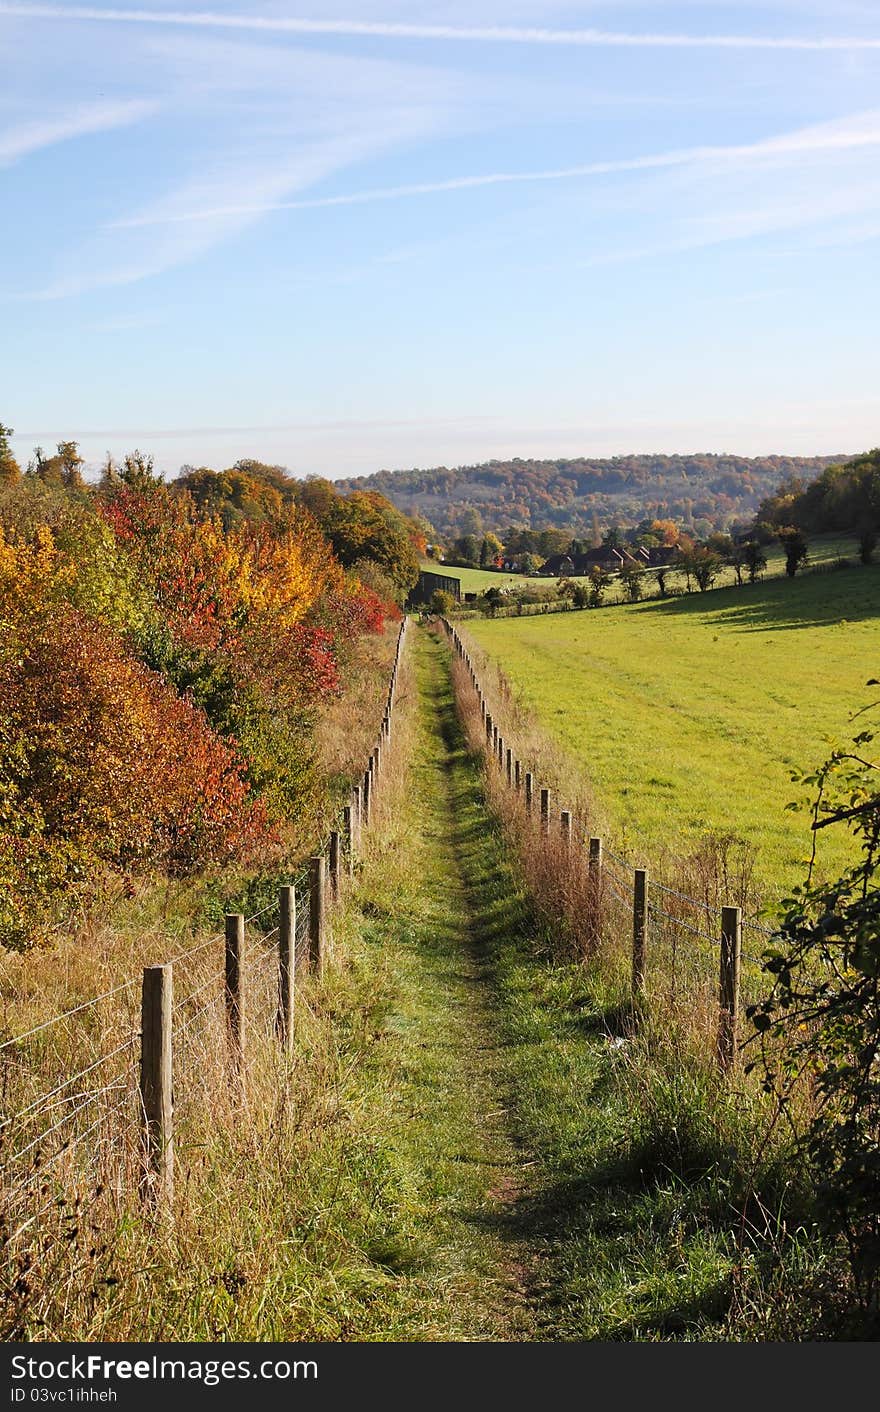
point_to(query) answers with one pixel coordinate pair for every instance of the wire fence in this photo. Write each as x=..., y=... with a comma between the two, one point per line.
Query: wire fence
x=87, y=1117
x=703, y=953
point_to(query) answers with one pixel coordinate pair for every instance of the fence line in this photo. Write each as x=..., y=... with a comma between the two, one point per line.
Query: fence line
x=119, y=1135
x=610, y=878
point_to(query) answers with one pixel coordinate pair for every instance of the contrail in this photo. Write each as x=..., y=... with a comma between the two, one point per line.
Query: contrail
x=806, y=141
x=485, y=34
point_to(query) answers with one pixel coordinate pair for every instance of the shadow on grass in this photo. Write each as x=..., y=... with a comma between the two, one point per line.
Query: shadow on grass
x=781, y=604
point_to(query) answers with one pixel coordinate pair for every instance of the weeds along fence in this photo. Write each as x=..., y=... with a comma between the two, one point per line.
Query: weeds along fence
x=108, y=1101
x=691, y=958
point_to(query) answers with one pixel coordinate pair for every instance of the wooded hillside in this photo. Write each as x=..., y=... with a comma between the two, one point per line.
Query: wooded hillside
x=585, y=494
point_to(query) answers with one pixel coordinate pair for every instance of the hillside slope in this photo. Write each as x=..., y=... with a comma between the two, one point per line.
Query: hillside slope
x=574, y=493
x=688, y=716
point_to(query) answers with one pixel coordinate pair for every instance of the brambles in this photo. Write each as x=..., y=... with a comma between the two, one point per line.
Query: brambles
x=821, y=1020
x=442, y=603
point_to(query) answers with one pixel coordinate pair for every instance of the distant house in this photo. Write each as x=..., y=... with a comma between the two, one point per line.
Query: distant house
x=576, y=565
x=610, y=561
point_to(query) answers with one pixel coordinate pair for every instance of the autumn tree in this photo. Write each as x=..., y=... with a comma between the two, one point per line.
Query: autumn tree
x=138, y=472
x=62, y=469
x=705, y=567
x=366, y=526
x=490, y=551
x=632, y=578
x=599, y=584
x=71, y=464
x=10, y=471
x=794, y=546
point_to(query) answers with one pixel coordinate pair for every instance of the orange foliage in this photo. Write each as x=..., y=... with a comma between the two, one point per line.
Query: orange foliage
x=101, y=762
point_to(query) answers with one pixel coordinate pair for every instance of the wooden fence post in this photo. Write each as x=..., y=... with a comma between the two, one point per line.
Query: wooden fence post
x=234, y=988
x=348, y=834
x=640, y=930
x=545, y=813
x=334, y=865
x=517, y=775
x=530, y=790
x=595, y=858
x=488, y=729
x=594, y=880
x=728, y=1015
x=565, y=825
x=157, y=1114
x=509, y=762
x=367, y=796
x=317, y=890
x=286, y=965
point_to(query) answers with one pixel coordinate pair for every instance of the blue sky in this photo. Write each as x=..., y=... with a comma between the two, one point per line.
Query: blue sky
x=370, y=233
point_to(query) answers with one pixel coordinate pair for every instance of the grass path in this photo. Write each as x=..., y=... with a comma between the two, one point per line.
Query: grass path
x=431, y=909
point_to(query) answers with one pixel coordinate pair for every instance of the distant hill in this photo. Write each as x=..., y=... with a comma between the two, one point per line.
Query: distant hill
x=582, y=492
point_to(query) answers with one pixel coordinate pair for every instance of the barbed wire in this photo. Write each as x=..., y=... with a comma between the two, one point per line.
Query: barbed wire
x=258, y=1023
x=655, y=911
x=38, y=1174
x=213, y=979
x=66, y=1014
x=194, y=950
x=754, y=926
x=120, y=1081
x=624, y=901
x=683, y=897
x=35, y=1105
x=609, y=853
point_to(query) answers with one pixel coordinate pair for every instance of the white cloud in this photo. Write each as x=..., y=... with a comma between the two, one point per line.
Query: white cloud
x=258, y=119
x=396, y=29
x=860, y=131
x=26, y=138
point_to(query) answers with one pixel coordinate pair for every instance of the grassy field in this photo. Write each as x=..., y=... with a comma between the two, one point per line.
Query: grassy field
x=688, y=716
x=476, y=580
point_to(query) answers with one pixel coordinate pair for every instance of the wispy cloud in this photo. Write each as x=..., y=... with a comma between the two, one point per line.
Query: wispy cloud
x=382, y=29
x=860, y=131
x=286, y=120
x=25, y=138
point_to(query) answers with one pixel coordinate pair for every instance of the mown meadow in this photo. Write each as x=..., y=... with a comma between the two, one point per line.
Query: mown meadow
x=476, y=580
x=689, y=716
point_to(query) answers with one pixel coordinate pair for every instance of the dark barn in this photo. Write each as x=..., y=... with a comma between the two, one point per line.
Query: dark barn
x=429, y=583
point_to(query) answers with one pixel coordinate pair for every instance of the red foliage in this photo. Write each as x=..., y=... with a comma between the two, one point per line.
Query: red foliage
x=112, y=760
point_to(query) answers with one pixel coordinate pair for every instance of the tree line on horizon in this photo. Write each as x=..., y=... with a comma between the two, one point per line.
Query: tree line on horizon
x=583, y=496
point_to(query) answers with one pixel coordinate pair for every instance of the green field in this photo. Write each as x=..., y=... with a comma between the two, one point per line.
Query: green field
x=476, y=580
x=687, y=716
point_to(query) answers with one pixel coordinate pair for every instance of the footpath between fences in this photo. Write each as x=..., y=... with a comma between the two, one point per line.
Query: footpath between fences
x=684, y=954
x=105, y=1127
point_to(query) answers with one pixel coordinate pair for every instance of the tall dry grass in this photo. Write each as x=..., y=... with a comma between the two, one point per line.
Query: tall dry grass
x=81, y=1257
